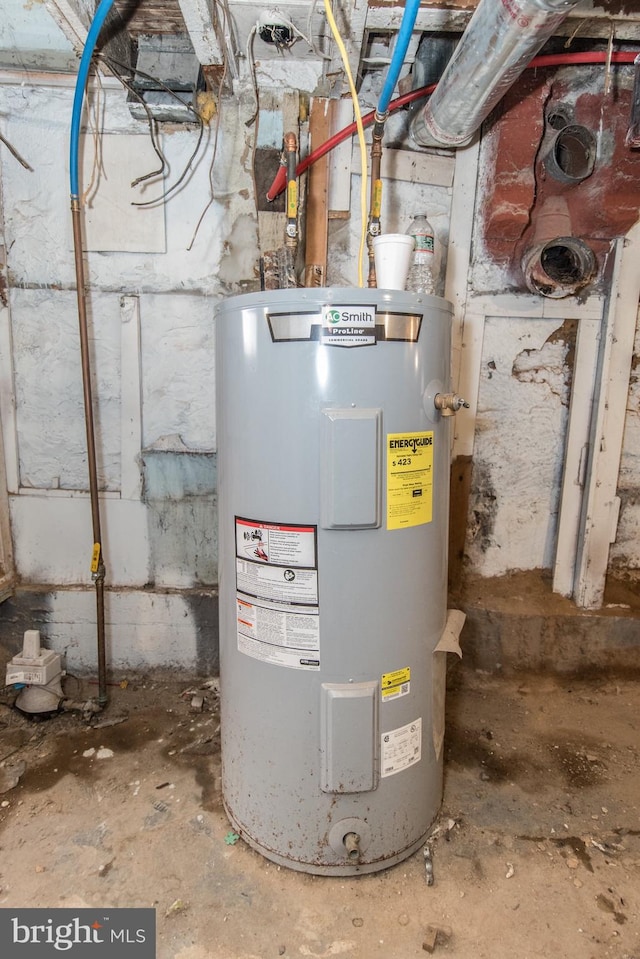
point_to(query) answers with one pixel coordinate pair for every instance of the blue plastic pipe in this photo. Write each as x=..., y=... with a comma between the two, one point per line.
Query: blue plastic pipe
x=81, y=82
x=404, y=36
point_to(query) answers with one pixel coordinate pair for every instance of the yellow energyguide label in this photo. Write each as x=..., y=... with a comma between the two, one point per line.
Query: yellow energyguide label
x=395, y=684
x=409, y=479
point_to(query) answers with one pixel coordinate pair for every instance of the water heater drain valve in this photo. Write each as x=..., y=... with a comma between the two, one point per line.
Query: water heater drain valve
x=449, y=403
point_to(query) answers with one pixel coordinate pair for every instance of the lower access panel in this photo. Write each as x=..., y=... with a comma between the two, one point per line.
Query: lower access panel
x=349, y=735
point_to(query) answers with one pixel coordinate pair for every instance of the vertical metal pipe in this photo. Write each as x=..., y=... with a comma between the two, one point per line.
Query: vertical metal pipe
x=291, y=156
x=287, y=256
x=97, y=564
x=375, y=203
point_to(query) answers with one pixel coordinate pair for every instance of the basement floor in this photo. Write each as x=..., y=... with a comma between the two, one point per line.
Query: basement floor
x=537, y=852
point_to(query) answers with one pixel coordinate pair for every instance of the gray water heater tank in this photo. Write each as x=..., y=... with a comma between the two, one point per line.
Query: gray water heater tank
x=333, y=515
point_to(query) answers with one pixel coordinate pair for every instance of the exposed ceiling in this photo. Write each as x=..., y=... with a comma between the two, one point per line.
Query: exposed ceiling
x=224, y=38
x=221, y=29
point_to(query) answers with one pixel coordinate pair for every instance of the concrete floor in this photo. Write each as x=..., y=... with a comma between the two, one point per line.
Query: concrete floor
x=537, y=853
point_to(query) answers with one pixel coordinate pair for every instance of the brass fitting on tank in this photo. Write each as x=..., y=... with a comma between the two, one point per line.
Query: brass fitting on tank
x=449, y=403
x=352, y=845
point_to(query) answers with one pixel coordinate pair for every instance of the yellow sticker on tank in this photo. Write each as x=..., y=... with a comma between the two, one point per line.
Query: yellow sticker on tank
x=395, y=684
x=409, y=479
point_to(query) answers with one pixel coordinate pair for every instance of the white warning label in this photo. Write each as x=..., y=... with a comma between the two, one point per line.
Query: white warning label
x=275, y=543
x=277, y=593
x=278, y=635
x=401, y=748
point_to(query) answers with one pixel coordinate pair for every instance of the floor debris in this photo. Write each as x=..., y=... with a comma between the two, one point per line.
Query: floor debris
x=94, y=830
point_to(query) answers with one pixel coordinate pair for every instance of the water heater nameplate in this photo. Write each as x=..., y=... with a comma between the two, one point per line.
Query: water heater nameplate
x=400, y=748
x=350, y=458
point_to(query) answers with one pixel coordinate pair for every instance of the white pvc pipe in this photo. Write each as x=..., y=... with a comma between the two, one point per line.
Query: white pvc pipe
x=500, y=40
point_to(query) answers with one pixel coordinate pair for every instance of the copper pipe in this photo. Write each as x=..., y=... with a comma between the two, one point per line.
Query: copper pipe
x=375, y=195
x=291, y=157
x=97, y=565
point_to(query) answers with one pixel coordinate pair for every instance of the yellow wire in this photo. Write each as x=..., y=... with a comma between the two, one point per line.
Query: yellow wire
x=361, y=140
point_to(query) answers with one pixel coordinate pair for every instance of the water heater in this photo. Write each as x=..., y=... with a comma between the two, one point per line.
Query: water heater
x=333, y=515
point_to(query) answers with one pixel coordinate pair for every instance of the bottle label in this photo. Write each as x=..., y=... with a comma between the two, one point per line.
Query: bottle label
x=424, y=242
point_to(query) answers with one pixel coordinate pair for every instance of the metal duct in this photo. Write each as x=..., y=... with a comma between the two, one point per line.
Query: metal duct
x=557, y=264
x=500, y=40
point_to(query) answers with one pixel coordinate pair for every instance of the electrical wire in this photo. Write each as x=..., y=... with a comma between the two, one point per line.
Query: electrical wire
x=229, y=36
x=299, y=35
x=363, y=147
x=255, y=118
x=620, y=57
x=96, y=128
x=213, y=158
x=252, y=69
x=163, y=86
x=310, y=41
x=12, y=150
x=153, y=128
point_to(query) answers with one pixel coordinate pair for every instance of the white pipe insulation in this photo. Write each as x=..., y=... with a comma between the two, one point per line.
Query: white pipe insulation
x=500, y=40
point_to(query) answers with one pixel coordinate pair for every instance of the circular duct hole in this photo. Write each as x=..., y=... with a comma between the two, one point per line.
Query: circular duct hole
x=561, y=263
x=557, y=119
x=573, y=154
x=560, y=268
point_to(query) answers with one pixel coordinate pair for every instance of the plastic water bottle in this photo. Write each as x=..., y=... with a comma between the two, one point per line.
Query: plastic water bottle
x=420, y=278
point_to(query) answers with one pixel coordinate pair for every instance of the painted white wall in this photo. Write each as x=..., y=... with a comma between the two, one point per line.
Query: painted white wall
x=517, y=463
x=172, y=348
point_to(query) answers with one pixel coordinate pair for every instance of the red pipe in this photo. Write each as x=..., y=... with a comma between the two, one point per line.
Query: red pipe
x=548, y=60
x=280, y=180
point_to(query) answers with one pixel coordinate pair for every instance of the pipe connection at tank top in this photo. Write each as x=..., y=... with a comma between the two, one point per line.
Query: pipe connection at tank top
x=498, y=43
x=380, y=118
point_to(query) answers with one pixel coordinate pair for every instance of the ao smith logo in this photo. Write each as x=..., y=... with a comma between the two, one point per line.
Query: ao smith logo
x=349, y=316
x=343, y=316
x=411, y=443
